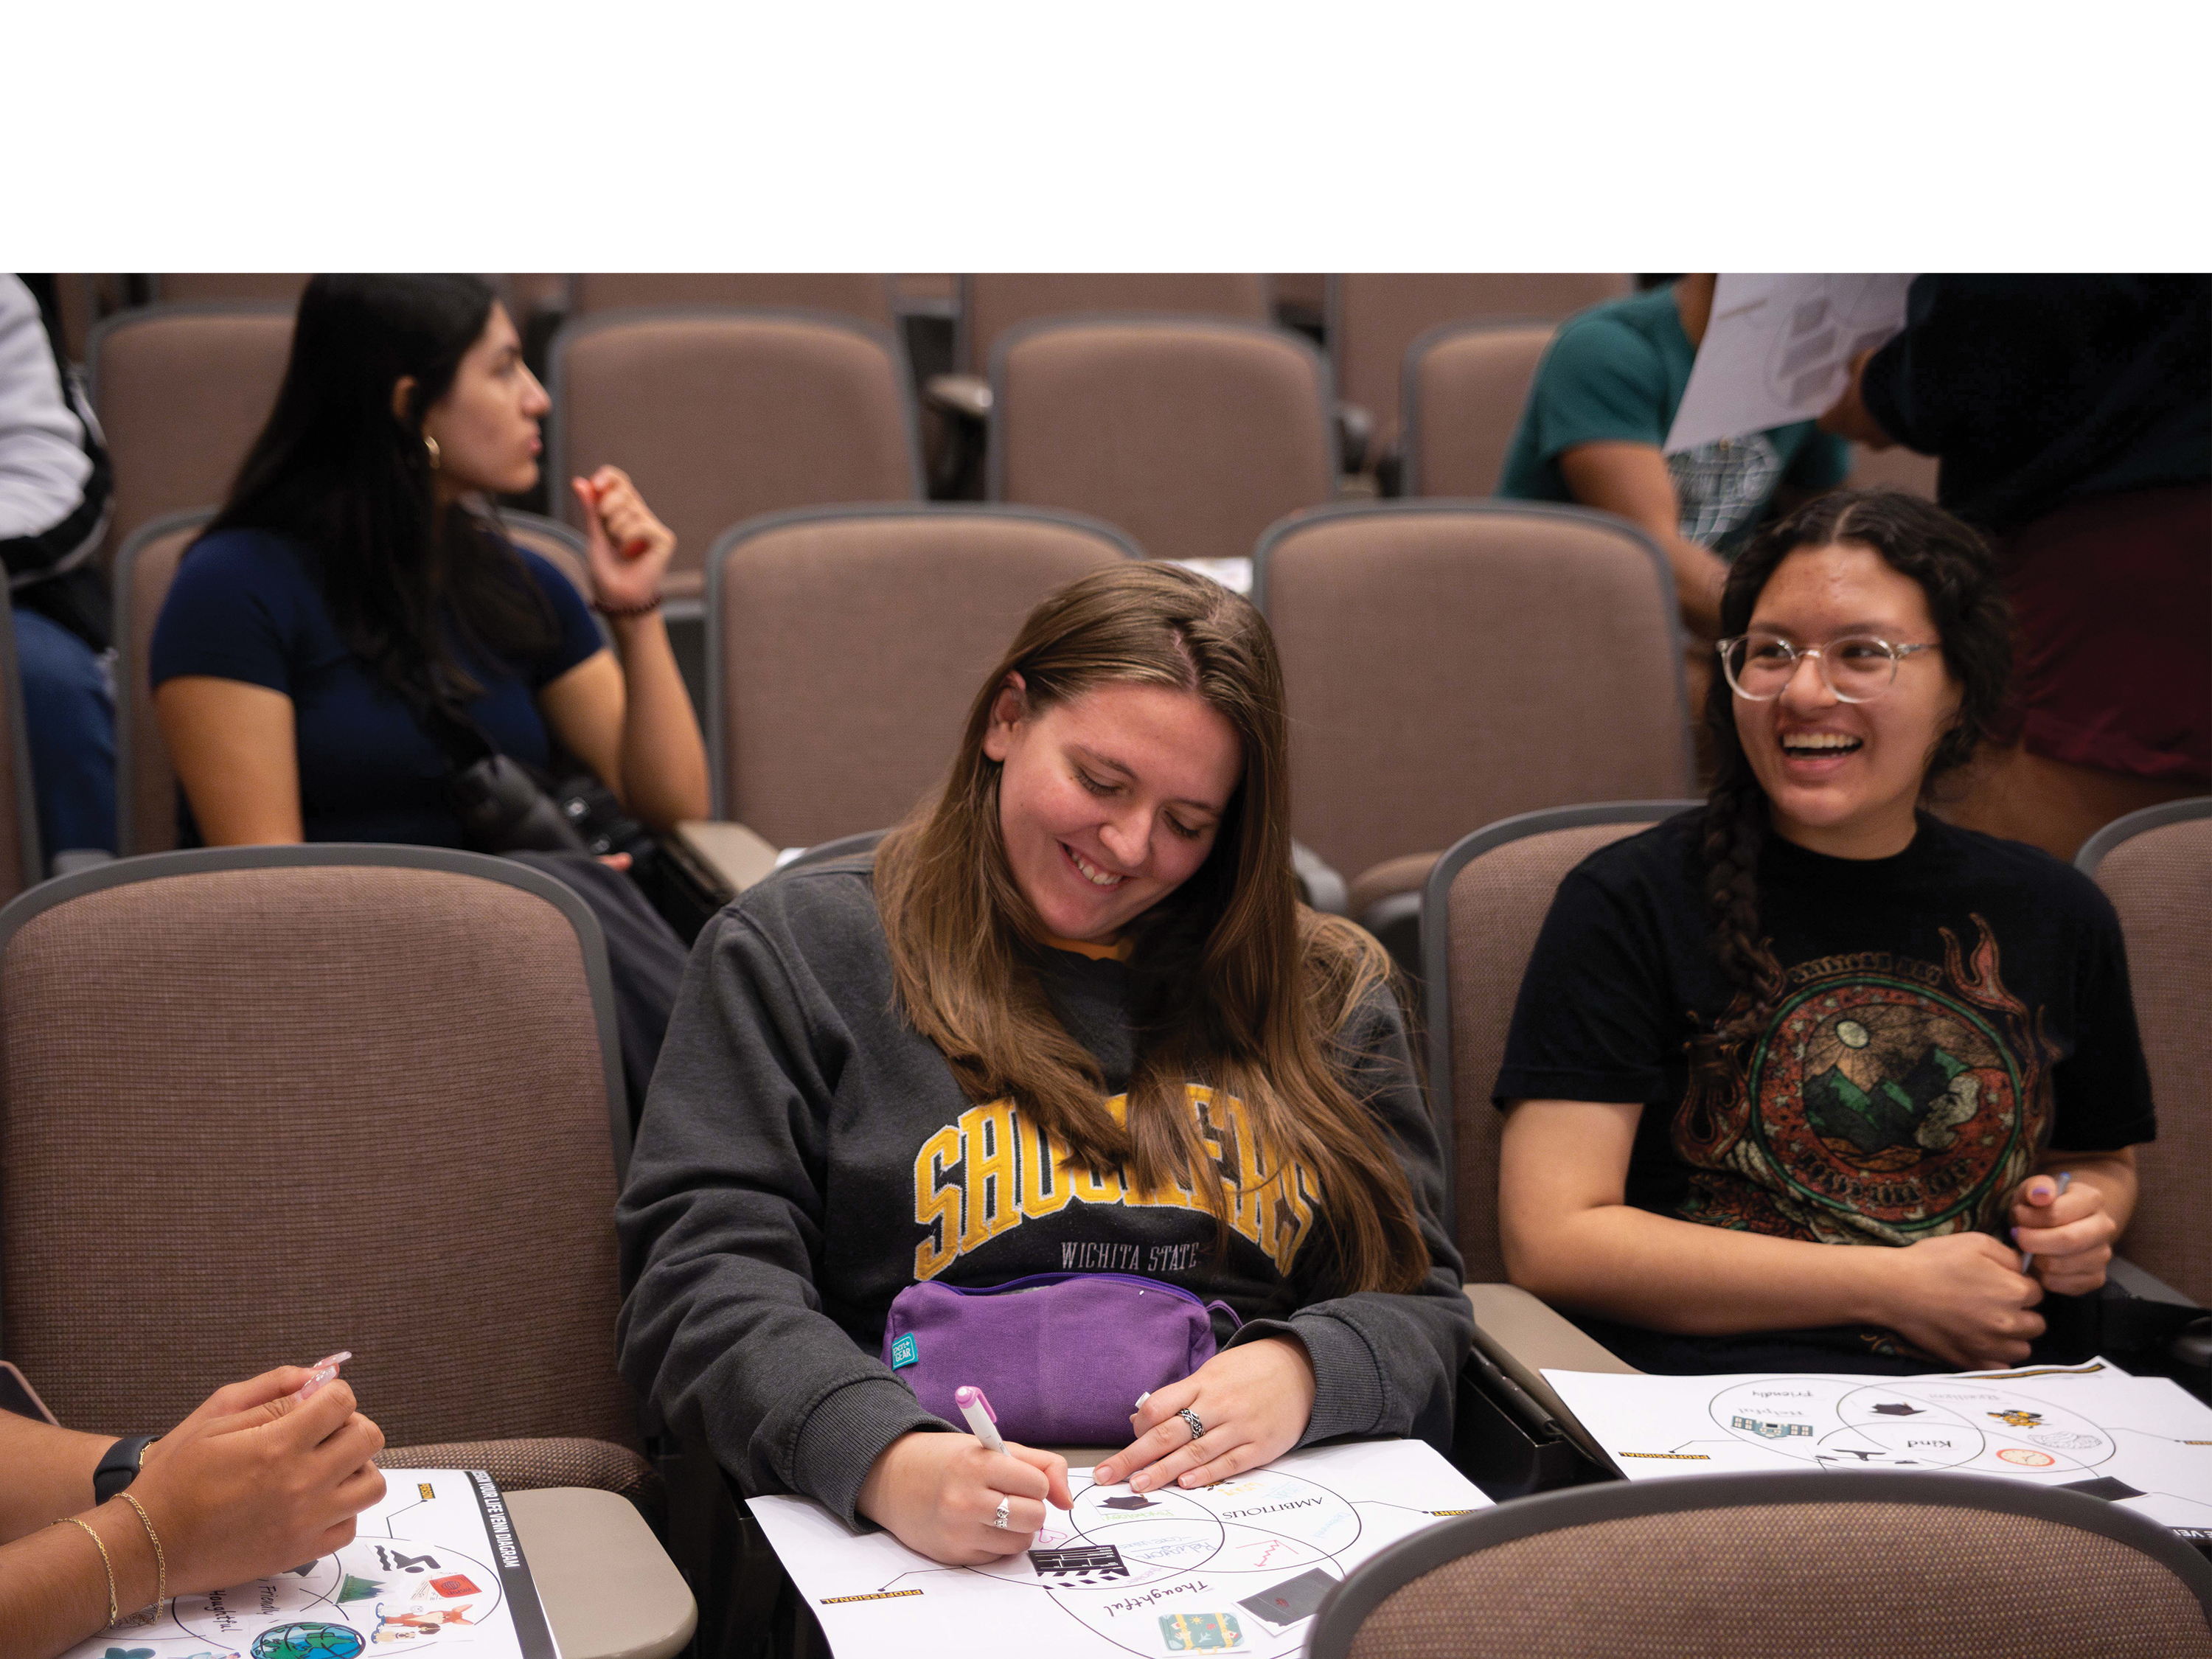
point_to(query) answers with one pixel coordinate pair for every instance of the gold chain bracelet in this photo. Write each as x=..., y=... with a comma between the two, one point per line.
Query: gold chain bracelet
x=106, y=1565
x=161, y=1561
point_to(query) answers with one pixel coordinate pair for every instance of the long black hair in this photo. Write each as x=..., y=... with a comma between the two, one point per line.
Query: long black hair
x=409, y=589
x=1954, y=566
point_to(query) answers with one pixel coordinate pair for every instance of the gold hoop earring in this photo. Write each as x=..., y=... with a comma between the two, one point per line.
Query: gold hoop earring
x=430, y=445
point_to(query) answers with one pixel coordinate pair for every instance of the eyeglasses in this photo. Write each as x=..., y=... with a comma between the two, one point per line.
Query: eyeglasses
x=1857, y=669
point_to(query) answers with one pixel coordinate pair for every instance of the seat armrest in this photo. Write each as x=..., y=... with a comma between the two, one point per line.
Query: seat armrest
x=967, y=395
x=1319, y=884
x=732, y=854
x=1523, y=1335
x=2143, y=1285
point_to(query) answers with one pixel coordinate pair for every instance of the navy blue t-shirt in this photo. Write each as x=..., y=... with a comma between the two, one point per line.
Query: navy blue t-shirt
x=247, y=605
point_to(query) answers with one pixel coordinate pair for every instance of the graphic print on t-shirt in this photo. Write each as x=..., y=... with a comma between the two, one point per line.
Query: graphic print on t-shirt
x=1887, y=1099
x=993, y=1170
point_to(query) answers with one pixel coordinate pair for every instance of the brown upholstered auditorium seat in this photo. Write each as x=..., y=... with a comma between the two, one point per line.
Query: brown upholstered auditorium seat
x=260, y=1104
x=992, y=302
x=721, y=415
x=21, y=862
x=145, y=777
x=1465, y=385
x=1191, y=435
x=2155, y=865
x=231, y=288
x=844, y=648
x=1484, y=902
x=182, y=392
x=844, y=293
x=1907, y=1564
x=1374, y=316
x=1452, y=663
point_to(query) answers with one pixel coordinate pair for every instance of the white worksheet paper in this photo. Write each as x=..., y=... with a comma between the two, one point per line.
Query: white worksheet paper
x=1778, y=349
x=433, y=1569
x=1238, y=1567
x=2144, y=1442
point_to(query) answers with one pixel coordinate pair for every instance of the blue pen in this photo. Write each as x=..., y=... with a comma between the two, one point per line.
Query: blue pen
x=2065, y=1179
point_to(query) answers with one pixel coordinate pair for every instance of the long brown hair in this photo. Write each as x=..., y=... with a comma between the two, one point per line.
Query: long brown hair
x=1233, y=983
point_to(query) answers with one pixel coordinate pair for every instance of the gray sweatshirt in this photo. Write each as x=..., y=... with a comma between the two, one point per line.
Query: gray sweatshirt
x=805, y=1155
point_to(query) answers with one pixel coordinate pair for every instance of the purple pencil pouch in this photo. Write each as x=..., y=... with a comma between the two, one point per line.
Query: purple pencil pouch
x=1062, y=1357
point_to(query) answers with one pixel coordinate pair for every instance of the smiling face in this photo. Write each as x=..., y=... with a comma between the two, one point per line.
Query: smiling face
x=486, y=425
x=1842, y=778
x=1109, y=801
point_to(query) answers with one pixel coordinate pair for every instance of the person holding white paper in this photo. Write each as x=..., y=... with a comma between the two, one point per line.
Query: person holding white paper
x=1797, y=1080
x=1599, y=410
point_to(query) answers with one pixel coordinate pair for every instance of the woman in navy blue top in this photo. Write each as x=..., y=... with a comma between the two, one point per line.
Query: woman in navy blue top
x=354, y=584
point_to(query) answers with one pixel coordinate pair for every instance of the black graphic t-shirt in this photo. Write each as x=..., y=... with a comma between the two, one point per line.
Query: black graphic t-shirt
x=1949, y=1013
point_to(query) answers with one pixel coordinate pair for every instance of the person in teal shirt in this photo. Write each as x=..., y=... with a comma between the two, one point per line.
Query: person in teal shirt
x=1599, y=411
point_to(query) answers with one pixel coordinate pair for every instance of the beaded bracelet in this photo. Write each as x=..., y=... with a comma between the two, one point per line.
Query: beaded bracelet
x=644, y=608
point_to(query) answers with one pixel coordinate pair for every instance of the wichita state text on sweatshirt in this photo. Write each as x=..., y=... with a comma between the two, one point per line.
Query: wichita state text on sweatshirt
x=805, y=1155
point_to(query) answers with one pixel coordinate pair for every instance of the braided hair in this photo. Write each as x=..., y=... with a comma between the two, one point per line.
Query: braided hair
x=1956, y=571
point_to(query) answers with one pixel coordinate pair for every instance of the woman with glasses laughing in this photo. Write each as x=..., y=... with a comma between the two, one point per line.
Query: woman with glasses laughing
x=1811, y=1015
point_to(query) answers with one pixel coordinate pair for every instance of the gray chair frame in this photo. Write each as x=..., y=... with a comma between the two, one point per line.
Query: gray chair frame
x=558, y=464
x=1436, y=942
x=136, y=316
x=1409, y=423
x=1337, y=1624
x=154, y=866
x=2098, y=847
x=995, y=468
x=963, y=339
x=18, y=739
x=718, y=558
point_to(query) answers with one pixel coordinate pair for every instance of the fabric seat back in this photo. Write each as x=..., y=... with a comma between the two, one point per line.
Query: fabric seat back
x=260, y=1104
x=1193, y=436
x=722, y=415
x=1374, y=316
x=1450, y=663
x=1465, y=385
x=182, y=392
x=1745, y=1566
x=843, y=293
x=1485, y=902
x=2156, y=867
x=145, y=776
x=844, y=648
x=992, y=303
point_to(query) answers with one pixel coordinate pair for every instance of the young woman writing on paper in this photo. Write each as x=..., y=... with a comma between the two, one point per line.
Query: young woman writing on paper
x=1070, y=1014
x=1811, y=1015
x=266, y=1474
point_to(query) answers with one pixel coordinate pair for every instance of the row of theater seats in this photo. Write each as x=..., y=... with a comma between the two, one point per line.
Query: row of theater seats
x=1192, y=434
x=1447, y=662
x=278, y=1097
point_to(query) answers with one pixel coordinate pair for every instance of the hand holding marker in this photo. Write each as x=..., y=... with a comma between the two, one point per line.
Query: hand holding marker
x=2065, y=1179
x=982, y=1421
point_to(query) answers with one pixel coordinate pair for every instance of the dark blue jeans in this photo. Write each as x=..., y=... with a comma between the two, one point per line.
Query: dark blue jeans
x=69, y=710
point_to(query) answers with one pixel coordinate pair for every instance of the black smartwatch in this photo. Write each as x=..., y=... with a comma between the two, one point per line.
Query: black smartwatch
x=120, y=1467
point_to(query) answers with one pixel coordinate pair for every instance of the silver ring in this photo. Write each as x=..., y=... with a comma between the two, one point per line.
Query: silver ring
x=1190, y=1421
x=999, y=1516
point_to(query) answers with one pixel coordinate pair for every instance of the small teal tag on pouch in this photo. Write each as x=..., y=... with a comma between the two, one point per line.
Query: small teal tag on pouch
x=905, y=1351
